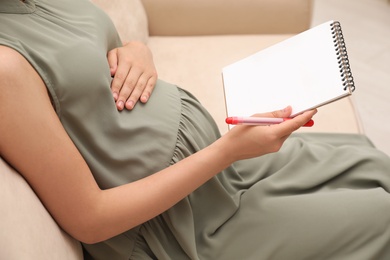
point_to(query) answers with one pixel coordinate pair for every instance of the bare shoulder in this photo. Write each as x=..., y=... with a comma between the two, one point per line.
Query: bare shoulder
x=13, y=69
x=7, y=52
x=10, y=61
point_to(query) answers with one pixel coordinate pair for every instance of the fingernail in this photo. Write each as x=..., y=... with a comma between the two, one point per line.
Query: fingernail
x=144, y=99
x=115, y=95
x=120, y=105
x=130, y=104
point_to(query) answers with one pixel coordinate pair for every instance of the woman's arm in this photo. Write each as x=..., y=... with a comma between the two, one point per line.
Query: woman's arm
x=35, y=143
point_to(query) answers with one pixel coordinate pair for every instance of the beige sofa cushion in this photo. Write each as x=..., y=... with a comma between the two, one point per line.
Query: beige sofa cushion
x=129, y=18
x=216, y=17
x=27, y=230
x=195, y=64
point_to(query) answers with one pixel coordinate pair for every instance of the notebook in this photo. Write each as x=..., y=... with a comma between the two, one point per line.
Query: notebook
x=306, y=71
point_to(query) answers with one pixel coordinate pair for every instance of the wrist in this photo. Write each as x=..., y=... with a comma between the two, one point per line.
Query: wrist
x=223, y=149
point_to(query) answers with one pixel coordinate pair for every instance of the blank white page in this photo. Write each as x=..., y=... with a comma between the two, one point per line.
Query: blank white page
x=302, y=71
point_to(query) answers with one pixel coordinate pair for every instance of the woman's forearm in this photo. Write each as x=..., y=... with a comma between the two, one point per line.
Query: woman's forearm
x=132, y=204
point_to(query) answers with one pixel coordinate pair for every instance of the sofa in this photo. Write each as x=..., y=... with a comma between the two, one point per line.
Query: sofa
x=191, y=41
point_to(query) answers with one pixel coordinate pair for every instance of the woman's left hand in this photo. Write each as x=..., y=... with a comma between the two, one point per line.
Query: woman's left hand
x=134, y=74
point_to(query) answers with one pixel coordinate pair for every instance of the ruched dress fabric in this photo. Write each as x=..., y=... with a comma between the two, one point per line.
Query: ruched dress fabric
x=322, y=196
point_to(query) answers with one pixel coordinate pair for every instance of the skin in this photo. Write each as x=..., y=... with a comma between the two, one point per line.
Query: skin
x=31, y=135
x=136, y=76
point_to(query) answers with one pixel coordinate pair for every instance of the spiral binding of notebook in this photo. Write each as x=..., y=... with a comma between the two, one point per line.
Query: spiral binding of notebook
x=342, y=56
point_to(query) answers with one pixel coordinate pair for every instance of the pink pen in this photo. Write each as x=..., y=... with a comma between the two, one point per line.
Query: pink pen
x=235, y=120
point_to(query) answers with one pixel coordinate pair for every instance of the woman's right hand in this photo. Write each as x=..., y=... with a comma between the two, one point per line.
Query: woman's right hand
x=244, y=142
x=134, y=74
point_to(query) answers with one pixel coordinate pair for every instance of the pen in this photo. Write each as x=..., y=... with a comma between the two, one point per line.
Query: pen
x=236, y=120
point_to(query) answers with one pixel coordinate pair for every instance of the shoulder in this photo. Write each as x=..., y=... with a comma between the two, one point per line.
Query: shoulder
x=14, y=67
x=9, y=57
x=11, y=62
x=17, y=75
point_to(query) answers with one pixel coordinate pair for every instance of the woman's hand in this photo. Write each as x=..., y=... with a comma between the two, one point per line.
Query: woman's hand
x=134, y=74
x=245, y=142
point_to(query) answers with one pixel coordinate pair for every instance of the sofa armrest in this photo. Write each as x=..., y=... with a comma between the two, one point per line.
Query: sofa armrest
x=27, y=230
x=218, y=17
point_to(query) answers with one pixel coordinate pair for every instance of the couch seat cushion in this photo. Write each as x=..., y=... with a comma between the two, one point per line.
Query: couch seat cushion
x=195, y=63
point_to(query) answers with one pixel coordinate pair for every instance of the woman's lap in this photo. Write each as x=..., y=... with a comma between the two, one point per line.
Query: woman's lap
x=320, y=197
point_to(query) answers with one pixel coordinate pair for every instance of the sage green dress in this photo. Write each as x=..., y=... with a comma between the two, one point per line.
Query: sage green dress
x=321, y=196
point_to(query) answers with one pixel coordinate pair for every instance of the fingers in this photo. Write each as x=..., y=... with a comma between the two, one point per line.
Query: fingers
x=126, y=86
x=289, y=126
x=148, y=89
x=120, y=79
x=112, y=61
x=286, y=112
x=134, y=74
x=129, y=86
x=136, y=87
